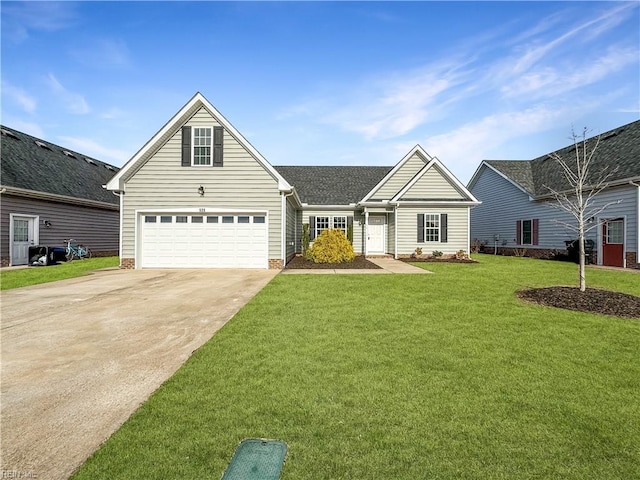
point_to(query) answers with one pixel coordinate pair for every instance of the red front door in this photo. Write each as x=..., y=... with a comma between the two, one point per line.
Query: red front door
x=613, y=242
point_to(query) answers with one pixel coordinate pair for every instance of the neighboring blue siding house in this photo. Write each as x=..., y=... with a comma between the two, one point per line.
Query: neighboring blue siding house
x=516, y=210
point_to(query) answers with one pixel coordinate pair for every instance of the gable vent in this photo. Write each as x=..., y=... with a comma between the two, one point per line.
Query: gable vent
x=69, y=154
x=9, y=134
x=88, y=160
x=42, y=145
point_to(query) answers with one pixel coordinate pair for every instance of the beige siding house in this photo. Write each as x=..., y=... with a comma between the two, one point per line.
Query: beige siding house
x=198, y=195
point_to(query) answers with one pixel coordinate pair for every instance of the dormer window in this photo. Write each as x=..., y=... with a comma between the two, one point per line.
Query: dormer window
x=69, y=154
x=42, y=145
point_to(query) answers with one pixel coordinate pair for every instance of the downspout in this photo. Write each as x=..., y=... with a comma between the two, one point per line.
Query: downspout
x=395, y=230
x=637, y=221
x=120, y=195
x=284, y=227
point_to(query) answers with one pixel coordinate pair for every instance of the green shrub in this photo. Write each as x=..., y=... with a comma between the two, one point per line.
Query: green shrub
x=461, y=255
x=436, y=253
x=332, y=246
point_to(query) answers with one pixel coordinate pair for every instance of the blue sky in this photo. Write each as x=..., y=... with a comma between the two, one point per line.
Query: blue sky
x=323, y=83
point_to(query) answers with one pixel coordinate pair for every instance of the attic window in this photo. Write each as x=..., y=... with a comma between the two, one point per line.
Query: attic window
x=69, y=154
x=88, y=160
x=42, y=145
x=9, y=134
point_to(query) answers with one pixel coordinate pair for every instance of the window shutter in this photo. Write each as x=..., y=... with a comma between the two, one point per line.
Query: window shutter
x=534, y=234
x=186, y=146
x=350, y=221
x=218, y=135
x=312, y=228
x=420, y=228
x=519, y=232
x=444, y=218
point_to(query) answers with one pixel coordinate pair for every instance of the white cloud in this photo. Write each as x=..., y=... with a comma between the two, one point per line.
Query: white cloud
x=21, y=18
x=549, y=82
x=104, y=54
x=74, y=102
x=93, y=148
x=113, y=113
x=17, y=95
x=391, y=106
x=26, y=127
x=465, y=147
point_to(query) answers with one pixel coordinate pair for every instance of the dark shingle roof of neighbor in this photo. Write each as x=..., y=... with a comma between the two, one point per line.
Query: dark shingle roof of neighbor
x=45, y=167
x=332, y=185
x=618, y=149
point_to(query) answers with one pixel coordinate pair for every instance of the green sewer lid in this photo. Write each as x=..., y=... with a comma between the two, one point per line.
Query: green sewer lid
x=257, y=459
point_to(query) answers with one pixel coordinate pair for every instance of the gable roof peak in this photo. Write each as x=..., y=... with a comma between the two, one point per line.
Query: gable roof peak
x=172, y=126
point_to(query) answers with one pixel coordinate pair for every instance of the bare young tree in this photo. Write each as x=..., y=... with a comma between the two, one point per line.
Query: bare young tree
x=583, y=186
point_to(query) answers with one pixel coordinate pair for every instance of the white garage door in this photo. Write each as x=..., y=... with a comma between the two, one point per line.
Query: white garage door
x=204, y=240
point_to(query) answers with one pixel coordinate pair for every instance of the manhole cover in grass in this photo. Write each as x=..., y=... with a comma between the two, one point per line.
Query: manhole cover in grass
x=257, y=459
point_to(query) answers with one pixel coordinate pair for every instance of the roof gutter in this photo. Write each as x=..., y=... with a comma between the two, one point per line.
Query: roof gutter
x=53, y=197
x=614, y=183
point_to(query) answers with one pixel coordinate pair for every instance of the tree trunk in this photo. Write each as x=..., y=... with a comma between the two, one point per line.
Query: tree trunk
x=583, y=283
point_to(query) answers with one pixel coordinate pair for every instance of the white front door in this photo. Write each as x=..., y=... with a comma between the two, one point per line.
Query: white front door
x=375, y=235
x=23, y=235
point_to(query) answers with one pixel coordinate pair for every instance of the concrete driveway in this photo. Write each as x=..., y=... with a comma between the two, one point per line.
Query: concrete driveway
x=79, y=356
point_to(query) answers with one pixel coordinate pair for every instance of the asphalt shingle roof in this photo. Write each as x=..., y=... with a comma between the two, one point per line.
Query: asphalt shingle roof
x=617, y=152
x=27, y=165
x=330, y=185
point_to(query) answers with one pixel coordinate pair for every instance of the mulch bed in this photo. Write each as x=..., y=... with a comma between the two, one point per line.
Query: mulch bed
x=591, y=301
x=358, y=263
x=438, y=260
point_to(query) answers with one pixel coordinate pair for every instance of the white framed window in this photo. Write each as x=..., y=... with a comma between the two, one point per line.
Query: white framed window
x=527, y=232
x=431, y=227
x=202, y=140
x=322, y=223
x=340, y=223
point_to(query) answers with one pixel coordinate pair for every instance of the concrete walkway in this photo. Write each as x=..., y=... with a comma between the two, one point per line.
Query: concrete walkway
x=387, y=265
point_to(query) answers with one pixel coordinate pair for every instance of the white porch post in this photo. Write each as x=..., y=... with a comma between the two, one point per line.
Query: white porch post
x=366, y=231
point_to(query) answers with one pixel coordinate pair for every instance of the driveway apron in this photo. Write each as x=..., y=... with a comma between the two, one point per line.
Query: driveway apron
x=79, y=356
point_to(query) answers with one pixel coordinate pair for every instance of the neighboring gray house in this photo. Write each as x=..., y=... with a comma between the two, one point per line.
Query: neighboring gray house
x=516, y=211
x=199, y=195
x=50, y=194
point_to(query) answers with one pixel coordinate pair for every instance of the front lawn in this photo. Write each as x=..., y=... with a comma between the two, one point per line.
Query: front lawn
x=34, y=275
x=444, y=376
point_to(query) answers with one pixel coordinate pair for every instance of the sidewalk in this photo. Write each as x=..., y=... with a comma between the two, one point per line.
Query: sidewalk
x=387, y=266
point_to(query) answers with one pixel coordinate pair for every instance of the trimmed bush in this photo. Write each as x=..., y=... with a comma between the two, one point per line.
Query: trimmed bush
x=332, y=246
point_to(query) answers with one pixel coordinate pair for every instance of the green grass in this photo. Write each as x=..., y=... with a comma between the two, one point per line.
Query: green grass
x=444, y=376
x=34, y=275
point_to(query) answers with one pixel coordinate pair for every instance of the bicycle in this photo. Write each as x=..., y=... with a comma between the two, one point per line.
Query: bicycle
x=75, y=250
